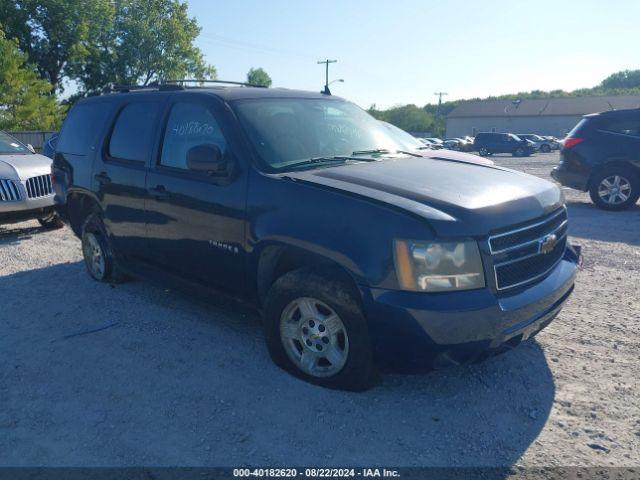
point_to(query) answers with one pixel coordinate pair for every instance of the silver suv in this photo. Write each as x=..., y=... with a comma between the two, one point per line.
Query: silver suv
x=26, y=191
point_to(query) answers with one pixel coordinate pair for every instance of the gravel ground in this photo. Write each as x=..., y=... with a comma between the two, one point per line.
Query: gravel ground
x=178, y=382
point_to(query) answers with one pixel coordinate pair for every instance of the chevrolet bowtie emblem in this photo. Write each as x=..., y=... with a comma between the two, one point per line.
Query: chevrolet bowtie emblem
x=548, y=243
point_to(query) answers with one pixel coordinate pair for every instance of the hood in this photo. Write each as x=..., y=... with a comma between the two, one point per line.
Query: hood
x=23, y=167
x=453, y=156
x=457, y=197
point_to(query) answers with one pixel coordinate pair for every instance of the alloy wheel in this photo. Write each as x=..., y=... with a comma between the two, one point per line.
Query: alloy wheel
x=93, y=255
x=614, y=190
x=314, y=337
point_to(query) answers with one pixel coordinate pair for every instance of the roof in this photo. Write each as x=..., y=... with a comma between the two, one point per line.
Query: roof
x=546, y=106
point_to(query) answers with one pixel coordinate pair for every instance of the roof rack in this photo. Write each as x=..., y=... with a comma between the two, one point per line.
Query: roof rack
x=128, y=88
x=166, y=85
x=197, y=80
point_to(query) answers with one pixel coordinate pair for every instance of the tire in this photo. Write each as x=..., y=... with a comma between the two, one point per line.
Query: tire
x=483, y=152
x=297, y=324
x=621, y=179
x=519, y=152
x=98, y=255
x=545, y=148
x=53, y=221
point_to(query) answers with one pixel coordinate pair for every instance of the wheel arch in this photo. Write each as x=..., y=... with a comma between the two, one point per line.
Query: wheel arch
x=276, y=259
x=81, y=204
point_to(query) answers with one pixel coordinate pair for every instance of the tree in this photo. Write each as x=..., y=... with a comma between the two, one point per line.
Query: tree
x=257, y=76
x=54, y=33
x=26, y=101
x=149, y=41
x=624, y=79
x=97, y=42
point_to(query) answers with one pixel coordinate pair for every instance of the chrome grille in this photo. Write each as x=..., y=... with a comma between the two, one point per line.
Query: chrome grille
x=525, y=254
x=9, y=191
x=39, y=186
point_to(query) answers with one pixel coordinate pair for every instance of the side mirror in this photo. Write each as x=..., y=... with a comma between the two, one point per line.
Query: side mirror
x=207, y=158
x=30, y=147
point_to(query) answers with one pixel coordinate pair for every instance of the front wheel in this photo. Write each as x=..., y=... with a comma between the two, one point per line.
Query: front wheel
x=51, y=221
x=616, y=188
x=483, y=152
x=315, y=330
x=545, y=148
x=519, y=152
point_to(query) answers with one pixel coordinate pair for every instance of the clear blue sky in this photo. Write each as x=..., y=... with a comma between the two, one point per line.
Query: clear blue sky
x=401, y=51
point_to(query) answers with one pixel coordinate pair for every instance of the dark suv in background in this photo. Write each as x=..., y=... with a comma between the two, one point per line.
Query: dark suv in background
x=601, y=155
x=489, y=143
x=304, y=205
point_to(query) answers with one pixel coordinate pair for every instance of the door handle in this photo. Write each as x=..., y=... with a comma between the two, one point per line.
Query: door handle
x=159, y=192
x=103, y=178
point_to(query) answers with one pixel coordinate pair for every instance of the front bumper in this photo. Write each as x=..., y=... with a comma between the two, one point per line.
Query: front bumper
x=414, y=328
x=25, y=208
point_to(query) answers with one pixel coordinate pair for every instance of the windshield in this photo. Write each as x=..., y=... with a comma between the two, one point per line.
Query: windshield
x=287, y=131
x=9, y=145
x=409, y=141
x=515, y=137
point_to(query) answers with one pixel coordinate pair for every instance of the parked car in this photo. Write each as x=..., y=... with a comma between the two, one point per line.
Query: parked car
x=601, y=155
x=490, y=143
x=435, y=140
x=541, y=144
x=555, y=142
x=25, y=184
x=49, y=147
x=457, y=143
x=301, y=204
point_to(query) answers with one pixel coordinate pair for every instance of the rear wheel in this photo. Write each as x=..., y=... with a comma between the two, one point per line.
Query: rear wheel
x=98, y=257
x=51, y=221
x=483, y=152
x=315, y=330
x=615, y=188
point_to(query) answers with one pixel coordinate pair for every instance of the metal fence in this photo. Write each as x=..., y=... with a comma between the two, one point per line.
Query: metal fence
x=36, y=138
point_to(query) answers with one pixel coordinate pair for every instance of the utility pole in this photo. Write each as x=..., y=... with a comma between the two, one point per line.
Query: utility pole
x=439, y=94
x=326, y=75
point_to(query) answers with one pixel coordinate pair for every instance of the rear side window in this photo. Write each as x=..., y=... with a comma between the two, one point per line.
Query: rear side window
x=133, y=132
x=82, y=127
x=623, y=126
x=189, y=125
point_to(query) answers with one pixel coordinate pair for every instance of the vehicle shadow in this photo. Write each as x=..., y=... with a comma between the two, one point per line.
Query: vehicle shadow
x=173, y=382
x=588, y=221
x=15, y=233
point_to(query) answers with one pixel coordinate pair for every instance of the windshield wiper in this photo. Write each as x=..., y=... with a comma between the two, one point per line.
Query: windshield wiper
x=384, y=151
x=371, y=152
x=320, y=160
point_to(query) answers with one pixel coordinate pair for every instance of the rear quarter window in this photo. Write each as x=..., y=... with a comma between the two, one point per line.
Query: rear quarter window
x=81, y=128
x=622, y=126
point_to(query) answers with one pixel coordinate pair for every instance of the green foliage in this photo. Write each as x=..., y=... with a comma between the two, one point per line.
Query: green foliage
x=53, y=33
x=408, y=117
x=97, y=42
x=26, y=101
x=257, y=76
x=622, y=80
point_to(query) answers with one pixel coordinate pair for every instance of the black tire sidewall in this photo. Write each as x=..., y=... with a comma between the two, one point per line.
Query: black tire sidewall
x=358, y=372
x=623, y=171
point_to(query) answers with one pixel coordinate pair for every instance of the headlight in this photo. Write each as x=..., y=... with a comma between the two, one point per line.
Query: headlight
x=438, y=266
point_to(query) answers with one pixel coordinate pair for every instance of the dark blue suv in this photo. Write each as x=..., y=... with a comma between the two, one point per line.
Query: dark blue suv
x=487, y=143
x=356, y=252
x=601, y=155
